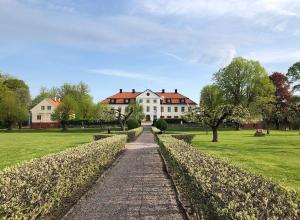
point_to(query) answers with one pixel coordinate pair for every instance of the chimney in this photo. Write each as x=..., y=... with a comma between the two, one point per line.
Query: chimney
x=176, y=91
x=163, y=91
x=133, y=90
x=121, y=90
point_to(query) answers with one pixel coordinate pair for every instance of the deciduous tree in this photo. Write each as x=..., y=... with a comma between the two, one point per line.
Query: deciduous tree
x=243, y=82
x=294, y=75
x=214, y=110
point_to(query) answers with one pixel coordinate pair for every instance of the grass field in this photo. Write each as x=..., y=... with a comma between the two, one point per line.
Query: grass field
x=276, y=156
x=17, y=146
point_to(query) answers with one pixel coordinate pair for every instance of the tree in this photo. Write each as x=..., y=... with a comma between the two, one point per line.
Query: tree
x=243, y=82
x=11, y=110
x=122, y=118
x=214, y=110
x=294, y=75
x=21, y=90
x=65, y=111
x=138, y=112
x=283, y=96
x=102, y=113
x=294, y=111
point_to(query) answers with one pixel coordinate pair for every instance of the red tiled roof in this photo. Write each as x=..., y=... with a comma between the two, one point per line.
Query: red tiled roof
x=175, y=97
x=54, y=102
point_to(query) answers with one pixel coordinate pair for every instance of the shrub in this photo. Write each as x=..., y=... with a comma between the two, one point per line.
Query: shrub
x=132, y=124
x=219, y=190
x=132, y=134
x=161, y=124
x=184, y=137
x=40, y=188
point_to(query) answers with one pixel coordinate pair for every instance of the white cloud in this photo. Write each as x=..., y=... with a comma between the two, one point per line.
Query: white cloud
x=244, y=8
x=275, y=56
x=126, y=74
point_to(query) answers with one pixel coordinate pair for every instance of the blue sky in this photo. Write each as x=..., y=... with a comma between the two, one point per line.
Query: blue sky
x=156, y=44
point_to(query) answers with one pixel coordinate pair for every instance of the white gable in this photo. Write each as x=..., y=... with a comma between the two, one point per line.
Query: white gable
x=148, y=94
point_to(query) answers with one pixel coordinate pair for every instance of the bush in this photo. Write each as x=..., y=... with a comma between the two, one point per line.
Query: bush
x=132, y=134
x=41, y=187
x=161, y=124
x=184, y=137
x=132, y=124
x=216, y=189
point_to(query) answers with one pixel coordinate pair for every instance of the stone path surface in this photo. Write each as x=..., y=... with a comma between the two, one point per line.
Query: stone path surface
x=136, y=187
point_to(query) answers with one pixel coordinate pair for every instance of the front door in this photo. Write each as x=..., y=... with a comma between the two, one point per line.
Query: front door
x=148, y=118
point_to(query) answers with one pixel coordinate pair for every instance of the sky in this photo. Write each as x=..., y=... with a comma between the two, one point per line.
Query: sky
x=140, y=44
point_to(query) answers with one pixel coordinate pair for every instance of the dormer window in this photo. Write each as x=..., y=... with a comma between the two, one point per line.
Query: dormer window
x=113, y=101
x=169, y=101
x=126, y=101
x=182, y=101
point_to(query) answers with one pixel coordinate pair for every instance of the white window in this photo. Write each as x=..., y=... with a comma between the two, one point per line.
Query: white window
x=154, y=101
x=39, y=117
x=42, y=107
x=169, y=109
x=148, y=109
x=154, y=108
x=48, y=107
x=182, y=109
x=175, y=109
x=148, y=101
x=141, y=100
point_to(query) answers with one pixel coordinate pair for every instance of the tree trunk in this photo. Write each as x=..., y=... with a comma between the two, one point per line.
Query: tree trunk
x=237, y=126
x=64, y=126
x=9, y=126
x=277, y=125
x=268, y=130
x=215, y=134
x=20, y=125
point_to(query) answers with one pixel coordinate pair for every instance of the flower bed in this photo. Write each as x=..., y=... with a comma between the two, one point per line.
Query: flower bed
x=218, y=190
x=40, y=188
x=132, y=134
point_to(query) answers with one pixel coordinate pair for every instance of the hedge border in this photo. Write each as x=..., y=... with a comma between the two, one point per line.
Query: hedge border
x=46, y=187
x=208, y=184
x=132, y=134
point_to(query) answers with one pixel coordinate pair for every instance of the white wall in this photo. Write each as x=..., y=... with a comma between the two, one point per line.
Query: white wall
x=45, y=114
x=150, y=101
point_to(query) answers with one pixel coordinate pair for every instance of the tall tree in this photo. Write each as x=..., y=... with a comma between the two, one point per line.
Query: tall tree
x=214, y=110
x=102, y=113
x=294, y=75
x=243, y=82
x=283, y=96
x=21, y=90
x=138, y=112
x=44, y=93
x=65, y=111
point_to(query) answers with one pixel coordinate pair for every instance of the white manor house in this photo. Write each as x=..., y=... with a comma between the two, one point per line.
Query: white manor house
x=155, y=104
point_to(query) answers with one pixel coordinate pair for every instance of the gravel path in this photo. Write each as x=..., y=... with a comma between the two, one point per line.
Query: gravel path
x=136, y=187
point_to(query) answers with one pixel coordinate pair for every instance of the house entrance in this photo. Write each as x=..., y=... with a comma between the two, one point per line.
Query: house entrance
x=148, y=118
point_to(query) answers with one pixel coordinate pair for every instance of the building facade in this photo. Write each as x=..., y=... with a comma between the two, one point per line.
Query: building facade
x=155, y=104
x=41, y=114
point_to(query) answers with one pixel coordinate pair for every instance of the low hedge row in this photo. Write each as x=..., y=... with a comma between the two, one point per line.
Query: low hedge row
x=132, y=134
x=184, y=137
x=180, y=136
x=218, y=190
x=41, y=188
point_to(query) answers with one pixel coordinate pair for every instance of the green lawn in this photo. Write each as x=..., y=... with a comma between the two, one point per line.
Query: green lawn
x=276, y=156
x=17, y=146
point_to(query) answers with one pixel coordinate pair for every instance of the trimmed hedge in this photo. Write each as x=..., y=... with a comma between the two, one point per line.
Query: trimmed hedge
x=132, y=123
x=40, y=188
x=216, y=189
x=184, y=137
x=161, y=124
x=132, y=134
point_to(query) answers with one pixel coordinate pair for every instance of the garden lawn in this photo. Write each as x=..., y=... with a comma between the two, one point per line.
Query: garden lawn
x=18, y=146
x=276, y=156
